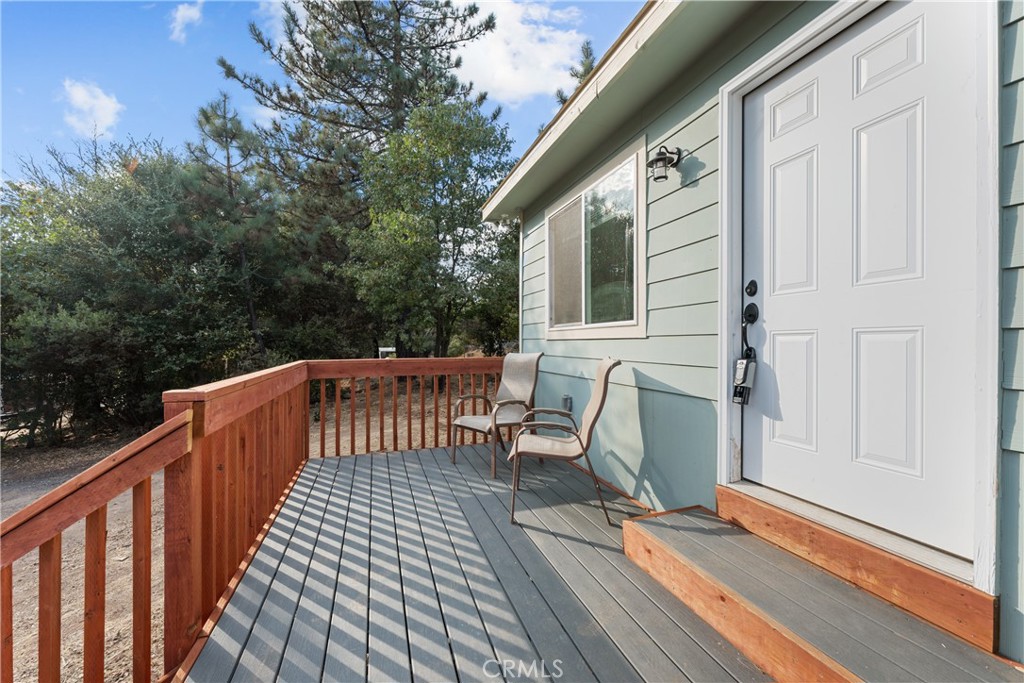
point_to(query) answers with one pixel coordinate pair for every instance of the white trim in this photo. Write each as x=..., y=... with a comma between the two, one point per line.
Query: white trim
x=803, y=42
x=522, y=267
x=634, y=152
x=988, y=389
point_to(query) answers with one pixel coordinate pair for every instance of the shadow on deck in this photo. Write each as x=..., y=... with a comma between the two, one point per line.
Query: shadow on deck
x=402, y=566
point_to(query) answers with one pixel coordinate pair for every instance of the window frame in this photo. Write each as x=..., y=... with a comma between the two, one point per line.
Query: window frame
x=623, y=329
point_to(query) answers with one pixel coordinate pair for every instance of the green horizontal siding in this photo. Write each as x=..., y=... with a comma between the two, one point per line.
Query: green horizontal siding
x=694, y=227
x=657, y=436
x=684, y=201
x=685, y=290
x=692, y=258
x=1011, y=226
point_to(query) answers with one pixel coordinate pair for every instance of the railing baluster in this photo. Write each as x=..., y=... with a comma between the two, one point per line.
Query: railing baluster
x=142, y=577
x=448, y=409
x=461, y=435
x=351, y=415
x=380, y=413
x=323, y=417
x=7, y=624
x=337, y=418
x=394, y=413
x=94, y=630
x=49, y=610
x=436, y=442
x=366, y=400
x=423, y=417
x=408, y=412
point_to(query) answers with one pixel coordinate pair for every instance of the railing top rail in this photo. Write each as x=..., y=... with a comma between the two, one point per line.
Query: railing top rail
x=70, y=502
x=225, y=387
x=397, y=367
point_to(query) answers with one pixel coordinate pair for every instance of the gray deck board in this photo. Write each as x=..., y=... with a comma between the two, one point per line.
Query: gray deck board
x=263, y=651
x=810, y=590
x=504, y=629
x=874, y=647
x=225, y=645
x=429, y=650
x=946, y=657
x=555, y=607
x=563, y=521
x=306, y=648
x=402, y=566
x=664, y=615
x=466, y=632
x=345, y=658
x=388, y=656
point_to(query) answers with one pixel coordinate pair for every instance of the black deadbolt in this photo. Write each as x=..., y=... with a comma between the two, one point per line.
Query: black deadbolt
x=751, y=288
x=751, y=313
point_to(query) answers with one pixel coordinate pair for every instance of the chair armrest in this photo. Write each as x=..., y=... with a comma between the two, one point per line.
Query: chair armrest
x=469, y=397
x=511, y=401
x=550, y=411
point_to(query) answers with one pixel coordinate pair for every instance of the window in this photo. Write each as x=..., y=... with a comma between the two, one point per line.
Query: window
x=592, y=257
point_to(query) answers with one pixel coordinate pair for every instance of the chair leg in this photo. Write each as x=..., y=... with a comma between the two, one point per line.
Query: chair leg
x=494, y=459
x=455, y=442
x=597, y=487
x=515, y=486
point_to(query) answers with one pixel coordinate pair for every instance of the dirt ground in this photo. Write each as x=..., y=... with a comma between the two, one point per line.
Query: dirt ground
x=27, y=474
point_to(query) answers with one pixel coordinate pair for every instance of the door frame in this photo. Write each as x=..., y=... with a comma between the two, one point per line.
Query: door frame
x=987, y=388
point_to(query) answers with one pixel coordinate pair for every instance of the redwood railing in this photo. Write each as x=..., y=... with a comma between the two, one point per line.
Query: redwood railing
x=228, y=452
x=40, y=524
x=401, y=403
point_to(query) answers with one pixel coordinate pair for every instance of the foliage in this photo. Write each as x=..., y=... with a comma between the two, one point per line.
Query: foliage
x=426, y=251
x=235, y=208
x=580, y=71
x=351, y=219
x=352, y=71
x=107, y=297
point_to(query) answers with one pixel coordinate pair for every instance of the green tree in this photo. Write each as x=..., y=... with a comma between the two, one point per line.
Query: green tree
x=422, y=259
x=236, y=211
x=108, y=297
x=580, y=71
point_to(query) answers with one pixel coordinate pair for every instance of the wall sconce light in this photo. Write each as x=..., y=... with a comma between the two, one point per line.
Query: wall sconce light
x=662, y=160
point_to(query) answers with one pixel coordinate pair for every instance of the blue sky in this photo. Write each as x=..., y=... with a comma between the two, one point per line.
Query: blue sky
x=137, y=69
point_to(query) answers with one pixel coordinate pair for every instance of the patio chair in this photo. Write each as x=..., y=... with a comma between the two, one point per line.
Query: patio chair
x=513, y=399
x=529, y=444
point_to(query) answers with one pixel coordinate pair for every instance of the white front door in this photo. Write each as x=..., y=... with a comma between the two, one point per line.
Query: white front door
x=860, y=229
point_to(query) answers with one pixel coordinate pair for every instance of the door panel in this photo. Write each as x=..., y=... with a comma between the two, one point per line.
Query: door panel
x=860, y=223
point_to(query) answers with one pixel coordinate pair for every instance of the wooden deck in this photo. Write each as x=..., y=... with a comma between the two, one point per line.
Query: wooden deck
x=403, y=566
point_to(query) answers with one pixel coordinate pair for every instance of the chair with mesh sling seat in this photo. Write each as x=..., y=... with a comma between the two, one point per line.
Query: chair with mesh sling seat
x=511, y=402
x=529, y=444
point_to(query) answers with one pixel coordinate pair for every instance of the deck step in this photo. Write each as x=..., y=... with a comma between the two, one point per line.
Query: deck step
x=792, y=619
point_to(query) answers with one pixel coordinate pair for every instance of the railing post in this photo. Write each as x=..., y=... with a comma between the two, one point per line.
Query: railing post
x=183, y=562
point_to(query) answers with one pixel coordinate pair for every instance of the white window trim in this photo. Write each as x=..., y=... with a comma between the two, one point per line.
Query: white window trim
x=627, y=329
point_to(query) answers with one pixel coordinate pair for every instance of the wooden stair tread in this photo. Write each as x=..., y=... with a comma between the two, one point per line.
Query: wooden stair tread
x=862, y=634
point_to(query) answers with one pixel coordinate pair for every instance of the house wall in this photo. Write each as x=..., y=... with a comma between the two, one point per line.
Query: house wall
x=657, y=437
x=1011, y=200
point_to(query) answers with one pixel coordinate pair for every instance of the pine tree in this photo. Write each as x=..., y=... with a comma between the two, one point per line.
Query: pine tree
x=580, y=71
x=233, y=202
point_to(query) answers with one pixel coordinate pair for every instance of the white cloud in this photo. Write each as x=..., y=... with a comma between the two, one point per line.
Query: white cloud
x=271, y=14
x=528, y=54
x=91, y=111
x=262, y=116
x=183, y=15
